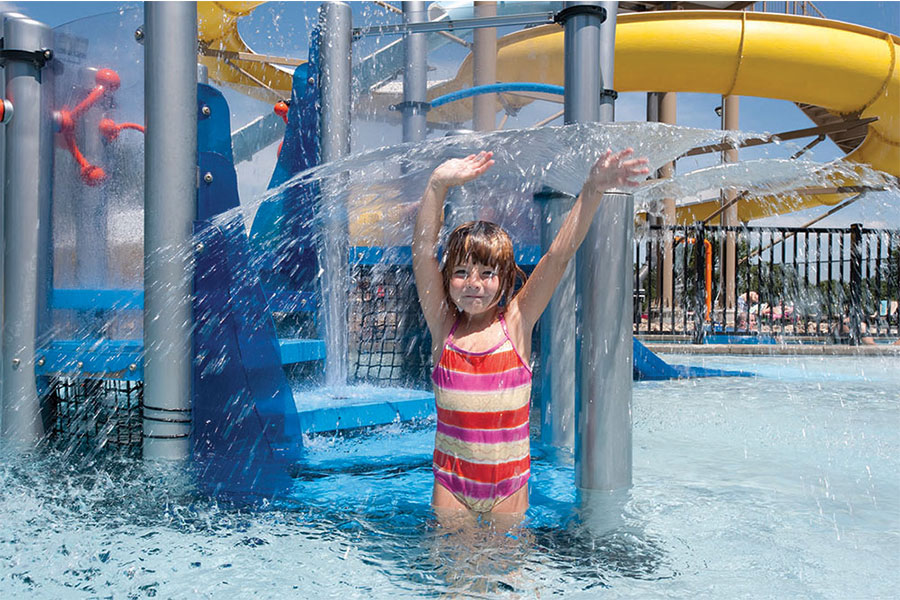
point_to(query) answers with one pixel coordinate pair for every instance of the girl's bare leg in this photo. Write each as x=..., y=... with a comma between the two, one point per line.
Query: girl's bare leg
x=516, y=503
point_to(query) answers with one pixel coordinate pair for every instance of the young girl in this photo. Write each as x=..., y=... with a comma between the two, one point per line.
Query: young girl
x=481, y=333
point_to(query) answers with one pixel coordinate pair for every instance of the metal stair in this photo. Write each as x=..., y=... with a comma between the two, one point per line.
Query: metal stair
x=847, y=140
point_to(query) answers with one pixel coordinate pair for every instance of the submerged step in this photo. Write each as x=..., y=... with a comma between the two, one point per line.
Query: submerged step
x=344, y=408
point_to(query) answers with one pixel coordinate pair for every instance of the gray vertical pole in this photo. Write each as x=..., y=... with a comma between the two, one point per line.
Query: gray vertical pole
x=334, y=143
x=26, y=208
x=604, y=278
x=581, y=49
x=558, y=323
x=557, y=335
x=661, y=107
x=415, y=76
x=730, y=120
x=484, y=69
x=170, y=190
x=7, y=115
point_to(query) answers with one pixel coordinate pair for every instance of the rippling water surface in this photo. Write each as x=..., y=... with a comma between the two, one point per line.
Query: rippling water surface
x=783, y=485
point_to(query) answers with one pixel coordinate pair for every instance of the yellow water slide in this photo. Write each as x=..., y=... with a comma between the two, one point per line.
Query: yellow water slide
x=850, y=70
x=228, y=58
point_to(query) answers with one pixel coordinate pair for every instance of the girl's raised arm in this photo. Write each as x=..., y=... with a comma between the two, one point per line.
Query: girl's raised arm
x=610, y=170
x=429, y=220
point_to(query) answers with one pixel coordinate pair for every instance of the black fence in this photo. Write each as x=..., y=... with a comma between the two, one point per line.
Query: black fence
x=840, y=285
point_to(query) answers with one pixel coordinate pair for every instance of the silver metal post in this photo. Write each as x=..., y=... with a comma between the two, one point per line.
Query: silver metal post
x=607, y=61
x=581, y=48
x=415, y=76
x=27, y=156
x=581, y=104
x=484, y=68
x=170, y=189
x=604, y=369
x=557, y=335
x=558, y=323
x=7, y=107
x=334, y=143
x=604, y=279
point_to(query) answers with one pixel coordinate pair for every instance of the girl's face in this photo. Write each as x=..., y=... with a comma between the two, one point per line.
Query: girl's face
x=473, y=287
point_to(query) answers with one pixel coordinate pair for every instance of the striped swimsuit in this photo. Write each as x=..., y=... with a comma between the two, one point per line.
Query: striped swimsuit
x=481, y=448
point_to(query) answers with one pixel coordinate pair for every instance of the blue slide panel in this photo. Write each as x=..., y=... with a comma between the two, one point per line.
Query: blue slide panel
x=650, y=367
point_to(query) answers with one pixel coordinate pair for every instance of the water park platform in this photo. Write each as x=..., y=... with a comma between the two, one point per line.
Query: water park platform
x=204, y=344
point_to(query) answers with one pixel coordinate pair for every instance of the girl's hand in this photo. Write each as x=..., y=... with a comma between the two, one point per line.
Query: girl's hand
x=458, y=171
x=616, y=170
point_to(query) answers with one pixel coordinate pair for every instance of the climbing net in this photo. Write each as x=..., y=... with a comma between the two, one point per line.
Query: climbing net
x=95, y=415
x=389, y=340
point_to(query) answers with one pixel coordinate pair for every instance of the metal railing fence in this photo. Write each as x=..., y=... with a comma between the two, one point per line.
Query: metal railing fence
x=841, y=284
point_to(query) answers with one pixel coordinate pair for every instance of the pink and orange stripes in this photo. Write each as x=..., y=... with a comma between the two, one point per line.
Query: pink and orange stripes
x=482, y=453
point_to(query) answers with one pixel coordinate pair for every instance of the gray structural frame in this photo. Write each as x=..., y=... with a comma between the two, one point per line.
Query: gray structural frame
x=170, y=192
x=535, y=18
x=26, y=228
x=604, y=282
x=557, y=333
x=415, y=75
x=336, y=21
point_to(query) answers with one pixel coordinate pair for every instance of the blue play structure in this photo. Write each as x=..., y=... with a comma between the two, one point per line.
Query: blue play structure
x=247, y=419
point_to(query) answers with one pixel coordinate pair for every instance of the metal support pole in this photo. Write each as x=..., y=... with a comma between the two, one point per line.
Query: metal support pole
x=415, y=77
x=26, y=197
x=7, y=108
x=581, y=50
x=662, y=107
x=581, y=104
x=336, y=22
x=557, y=334
x=484, y=69
x=170, y=198
x=604, y=277
x=730, y=121
x=605, y=286
x=607, y=54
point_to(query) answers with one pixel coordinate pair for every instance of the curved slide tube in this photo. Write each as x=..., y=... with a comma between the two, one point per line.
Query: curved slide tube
x=848, y=69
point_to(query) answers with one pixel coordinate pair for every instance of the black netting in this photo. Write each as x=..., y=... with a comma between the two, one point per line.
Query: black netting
x=96, y=414
x=389, y=340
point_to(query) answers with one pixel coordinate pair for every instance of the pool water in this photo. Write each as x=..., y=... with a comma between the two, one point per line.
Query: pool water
x=781, y=485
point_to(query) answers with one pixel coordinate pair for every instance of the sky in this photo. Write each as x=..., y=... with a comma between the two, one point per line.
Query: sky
x=282, y=28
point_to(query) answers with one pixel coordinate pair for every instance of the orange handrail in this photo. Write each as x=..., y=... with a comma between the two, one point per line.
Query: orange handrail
x=707, y=248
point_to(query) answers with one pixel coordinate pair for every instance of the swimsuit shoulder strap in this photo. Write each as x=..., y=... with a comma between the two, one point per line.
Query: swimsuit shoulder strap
x=503, y=326
x=512, y=343
x=453, y=329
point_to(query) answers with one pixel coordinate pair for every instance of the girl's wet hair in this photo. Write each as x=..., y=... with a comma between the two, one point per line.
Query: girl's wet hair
x=488, y=244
